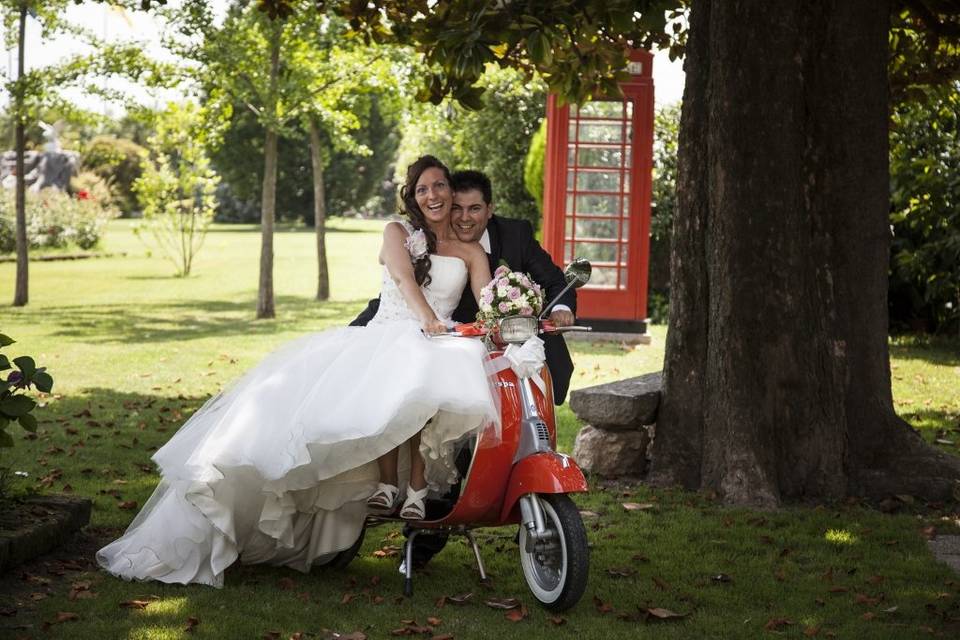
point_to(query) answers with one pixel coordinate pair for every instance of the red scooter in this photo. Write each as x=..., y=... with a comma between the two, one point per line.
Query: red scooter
x=518, y=478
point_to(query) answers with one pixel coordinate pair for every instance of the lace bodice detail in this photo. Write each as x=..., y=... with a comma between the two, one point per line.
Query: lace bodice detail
x=448, y=277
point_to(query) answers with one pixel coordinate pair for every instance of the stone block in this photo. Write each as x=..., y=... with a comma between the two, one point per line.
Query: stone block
x=34, y=526
x=625, y=404
x=611, y=453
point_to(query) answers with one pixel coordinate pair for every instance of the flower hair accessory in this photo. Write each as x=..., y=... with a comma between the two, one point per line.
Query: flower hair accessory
x=416, y=244
x=509, y=294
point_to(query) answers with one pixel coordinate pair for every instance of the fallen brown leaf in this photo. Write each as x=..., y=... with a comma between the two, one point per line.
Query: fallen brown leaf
x=191, y=623
x=660, y=583
x=638, y=506
x=601, y=606
x=127, y=504
x=136, y=604
x=811, y=631
x=286, y=584
x=620, y=572
x=434, y=622
x=664, y=614
x=462, y=598
x=502, y=603
x=775, y=624
x=516, y=615
x=353, y=635
x=442, y=636
x=67, y=616
x=557, y=620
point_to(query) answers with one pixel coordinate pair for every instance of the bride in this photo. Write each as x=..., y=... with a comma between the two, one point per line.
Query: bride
x=282, y=467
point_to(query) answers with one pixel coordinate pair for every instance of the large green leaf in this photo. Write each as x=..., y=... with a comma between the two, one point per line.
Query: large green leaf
x=26, y=364
x=28, y=422
x=16, y=406
x=43, y=381
x=6, y=440
x=6, y=340
x=4, y=362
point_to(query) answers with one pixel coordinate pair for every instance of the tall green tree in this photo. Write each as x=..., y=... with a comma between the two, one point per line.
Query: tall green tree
x=925, y=210
x=777, y=378
x=42, y=88
x=177, y=186
x=285, y=63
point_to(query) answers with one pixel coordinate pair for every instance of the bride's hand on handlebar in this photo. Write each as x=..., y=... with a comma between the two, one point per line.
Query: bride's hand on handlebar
x=433, y=327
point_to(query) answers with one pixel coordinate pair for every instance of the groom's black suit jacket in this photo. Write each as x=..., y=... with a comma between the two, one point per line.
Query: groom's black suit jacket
x=512, y=241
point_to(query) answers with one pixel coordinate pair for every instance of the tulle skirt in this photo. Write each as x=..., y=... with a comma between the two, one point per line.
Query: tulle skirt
x=277, y=468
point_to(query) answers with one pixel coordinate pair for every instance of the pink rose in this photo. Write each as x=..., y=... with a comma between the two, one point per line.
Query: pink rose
x=514, y=293
x=504, y=307
x=502, y=270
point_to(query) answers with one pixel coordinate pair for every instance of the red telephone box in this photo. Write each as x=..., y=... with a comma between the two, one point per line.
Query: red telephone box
x=596, y=197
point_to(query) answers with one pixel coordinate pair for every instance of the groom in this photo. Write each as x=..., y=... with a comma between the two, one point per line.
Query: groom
x=510, y=241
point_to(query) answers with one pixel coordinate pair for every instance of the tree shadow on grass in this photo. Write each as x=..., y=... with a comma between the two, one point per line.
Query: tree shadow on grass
x=941, y=351
x=189, y=319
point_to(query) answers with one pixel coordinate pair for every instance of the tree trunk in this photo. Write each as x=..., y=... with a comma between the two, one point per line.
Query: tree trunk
x=319, y=213
x=268, y=199
x=21, y=293
x=776, y=375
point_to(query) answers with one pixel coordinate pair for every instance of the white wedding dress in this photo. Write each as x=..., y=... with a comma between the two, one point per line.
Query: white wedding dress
x=277, y=468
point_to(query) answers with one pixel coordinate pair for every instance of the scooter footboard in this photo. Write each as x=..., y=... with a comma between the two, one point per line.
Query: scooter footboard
x=545, y=472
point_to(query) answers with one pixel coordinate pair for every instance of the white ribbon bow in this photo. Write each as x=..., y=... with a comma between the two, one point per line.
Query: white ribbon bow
x=526, y=360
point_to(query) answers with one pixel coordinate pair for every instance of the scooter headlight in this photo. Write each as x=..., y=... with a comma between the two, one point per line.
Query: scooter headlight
x=518, y=329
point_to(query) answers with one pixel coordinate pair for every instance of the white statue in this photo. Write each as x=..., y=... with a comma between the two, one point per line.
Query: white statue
x=51, y=134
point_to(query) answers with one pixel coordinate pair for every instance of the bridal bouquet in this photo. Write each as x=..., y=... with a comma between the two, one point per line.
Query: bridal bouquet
x=509, y=294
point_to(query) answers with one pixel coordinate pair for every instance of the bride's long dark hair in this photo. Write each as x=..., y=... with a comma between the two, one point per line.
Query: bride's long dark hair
x=408, y=195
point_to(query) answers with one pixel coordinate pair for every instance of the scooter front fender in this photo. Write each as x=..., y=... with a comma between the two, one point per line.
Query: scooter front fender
x=545, y=472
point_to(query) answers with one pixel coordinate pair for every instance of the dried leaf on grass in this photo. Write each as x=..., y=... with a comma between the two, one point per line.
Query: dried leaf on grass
x=659, y=613
x=192, y=622
x=502, y=603
x=136, y=604
x=775, y=624
x=601, y=606
x=67, y=616
x=557, y=620
x=638, y=506
x=516, y=615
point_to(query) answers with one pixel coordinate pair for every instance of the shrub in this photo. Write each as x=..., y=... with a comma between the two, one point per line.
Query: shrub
x=15, y=406
x=534, y=163
x=178, y=186
x=54, y=219
x=119, y=162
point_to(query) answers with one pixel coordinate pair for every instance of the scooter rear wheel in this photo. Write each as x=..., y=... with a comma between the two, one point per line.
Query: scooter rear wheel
x=556, y=570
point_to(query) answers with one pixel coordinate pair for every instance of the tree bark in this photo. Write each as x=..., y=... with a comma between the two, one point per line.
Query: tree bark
x=268, y=199
x=21, y=294
x=319, y=213
x=776, y=375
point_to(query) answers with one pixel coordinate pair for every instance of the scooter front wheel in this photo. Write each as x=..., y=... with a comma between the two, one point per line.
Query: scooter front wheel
x=556, y=568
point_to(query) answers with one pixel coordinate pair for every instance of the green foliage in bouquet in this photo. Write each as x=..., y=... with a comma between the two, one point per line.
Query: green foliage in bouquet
x=15, y=406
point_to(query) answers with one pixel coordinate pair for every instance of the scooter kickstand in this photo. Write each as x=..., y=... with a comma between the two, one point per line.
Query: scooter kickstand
x=476, y=552
x=408, y=576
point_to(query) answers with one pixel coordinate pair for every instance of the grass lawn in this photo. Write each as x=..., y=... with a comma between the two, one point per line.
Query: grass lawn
x=134, y=351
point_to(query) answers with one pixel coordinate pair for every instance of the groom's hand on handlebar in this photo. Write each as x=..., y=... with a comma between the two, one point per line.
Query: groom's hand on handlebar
x=561, y=318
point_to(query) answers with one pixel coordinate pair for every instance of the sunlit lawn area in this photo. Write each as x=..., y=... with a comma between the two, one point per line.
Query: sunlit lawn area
x=134, y=350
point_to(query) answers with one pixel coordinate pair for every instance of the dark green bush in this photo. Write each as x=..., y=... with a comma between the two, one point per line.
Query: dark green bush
x=120, y=162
